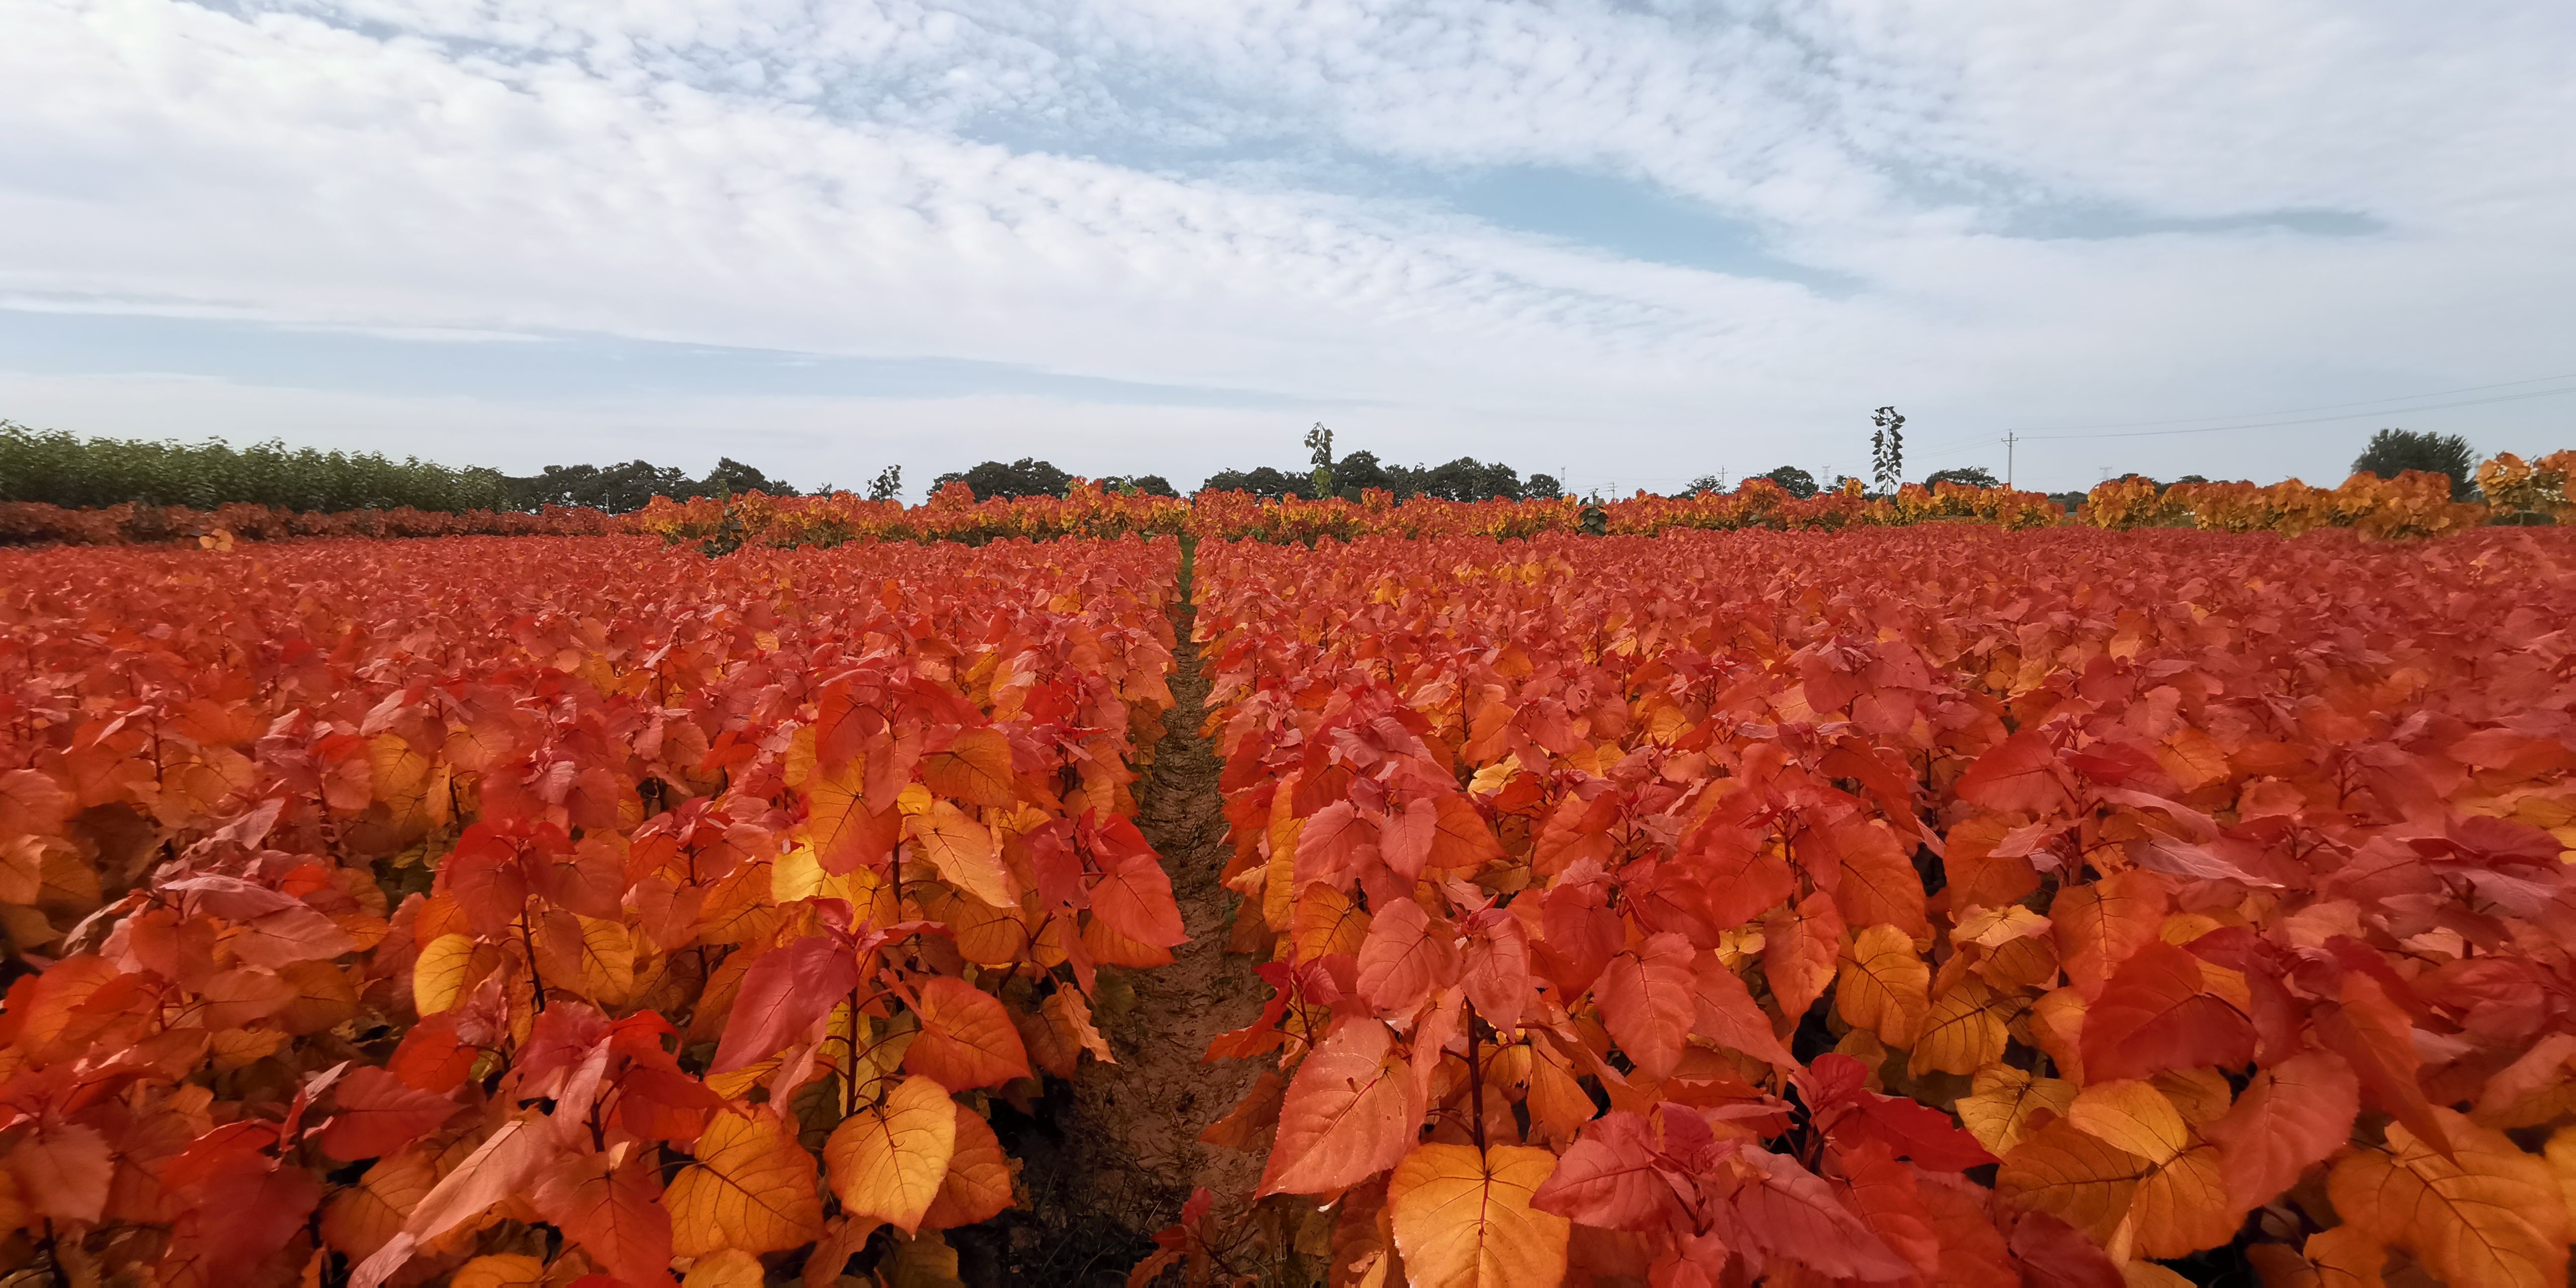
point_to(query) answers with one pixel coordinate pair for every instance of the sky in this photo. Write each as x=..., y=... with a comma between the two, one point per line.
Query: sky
x=1628, y=243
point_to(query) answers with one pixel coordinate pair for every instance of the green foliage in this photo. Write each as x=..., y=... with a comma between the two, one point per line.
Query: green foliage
x=888, y=485
x=62, y=469
x=1023, y=477
x=1965, y=476
x=80, y=473
x=1319, y=449
x=1796, y=482
x=620, y=489
x=2394, y=451
x=1265, y=482
x=1140, y=484
x=1887, y=448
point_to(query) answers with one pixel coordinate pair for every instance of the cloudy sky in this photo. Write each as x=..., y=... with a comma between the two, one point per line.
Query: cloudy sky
x=1625, y=242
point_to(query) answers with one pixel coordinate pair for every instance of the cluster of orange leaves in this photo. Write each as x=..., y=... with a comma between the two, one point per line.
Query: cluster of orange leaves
x=559, y=911
x=1937, y=907
x=2414, y=504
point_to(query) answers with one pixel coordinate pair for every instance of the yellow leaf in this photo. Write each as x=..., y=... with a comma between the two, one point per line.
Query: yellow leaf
x=975, y=768
x=887, y=1162
x=2003, y=1100
x=2064, y=1171
x=1463, y=1219
x=2489, y=1215
x=752, y=1188
x=2133, y=1116
x=1885, y=985
x=438, y=975
x=1965, y=1031
x=504, y=1270
x=730, y=1268
x=2182, y=1207
x=962, y=849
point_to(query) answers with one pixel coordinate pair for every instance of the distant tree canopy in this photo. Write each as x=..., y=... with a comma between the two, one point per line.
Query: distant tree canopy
x=2393, y=451
x=1965, y=476
x=631, y=486
x=63, y=469
x=1796, y=482
x=1148, y=484
x=1023, y=477
x=1464, y=479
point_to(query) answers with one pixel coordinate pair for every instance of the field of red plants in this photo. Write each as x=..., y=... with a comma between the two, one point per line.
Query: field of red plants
x=1906, y=905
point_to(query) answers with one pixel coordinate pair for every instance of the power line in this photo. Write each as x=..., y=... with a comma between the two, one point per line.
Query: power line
x=2301, y=411
x=2319, y=420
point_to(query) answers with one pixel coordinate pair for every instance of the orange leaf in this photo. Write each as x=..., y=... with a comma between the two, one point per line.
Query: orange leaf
x=2070, y=1174
x=845, y=833
x=2489, y=1214
x=2291, y=1117
x=1249, y=1124
x=975, y=767
x=1799, y=948
x=887, y=1162
x=966, y=1038
x=1884, y=985
x=751, y=1188
x=1464, y=1220
x=1350, y=1114
x=2099, y=925
x=978, y=1184
x=963, y=851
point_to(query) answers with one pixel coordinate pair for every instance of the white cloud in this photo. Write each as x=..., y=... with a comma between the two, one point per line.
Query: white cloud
x=806, y=177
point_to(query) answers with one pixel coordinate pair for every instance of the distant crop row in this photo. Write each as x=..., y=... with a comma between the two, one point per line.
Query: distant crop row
x=2410, y=505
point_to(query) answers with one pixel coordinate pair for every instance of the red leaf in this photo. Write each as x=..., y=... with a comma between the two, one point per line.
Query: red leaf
x=2019, y=773
x=379, y=1113
x=2373, y=1036
x=784, y=994
x=2288, y=1119
x=1647, y=1003
x=1350, y=1114
x=2156, y=1015
x=1609, y=1179
x=1407, y=954
x=613, y=1209
x=1134, y=898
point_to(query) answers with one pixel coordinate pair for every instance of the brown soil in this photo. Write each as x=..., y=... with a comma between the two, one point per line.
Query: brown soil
x=1110, y=1159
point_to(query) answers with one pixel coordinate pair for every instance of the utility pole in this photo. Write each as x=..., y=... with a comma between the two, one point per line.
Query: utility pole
x=2010, y=438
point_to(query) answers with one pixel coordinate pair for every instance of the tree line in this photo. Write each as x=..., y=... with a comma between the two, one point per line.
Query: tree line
x=59, y=468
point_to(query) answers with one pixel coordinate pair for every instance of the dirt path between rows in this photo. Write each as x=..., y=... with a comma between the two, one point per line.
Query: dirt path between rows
x=1110, y=1159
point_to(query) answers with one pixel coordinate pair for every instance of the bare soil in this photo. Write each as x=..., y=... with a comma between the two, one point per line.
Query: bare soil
x=1110, y=1158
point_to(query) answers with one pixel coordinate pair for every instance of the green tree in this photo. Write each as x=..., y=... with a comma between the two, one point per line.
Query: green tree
x=1796, y=482
x=1319, y=449
x=1023, y=477
x=1965, y=476
x=888, y=484
x=1887, y=448
x=2393, y=451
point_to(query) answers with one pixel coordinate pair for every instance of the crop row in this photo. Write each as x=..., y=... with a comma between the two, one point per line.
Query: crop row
x=2411, y=505
x=531, y=909
x=1923, y=906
